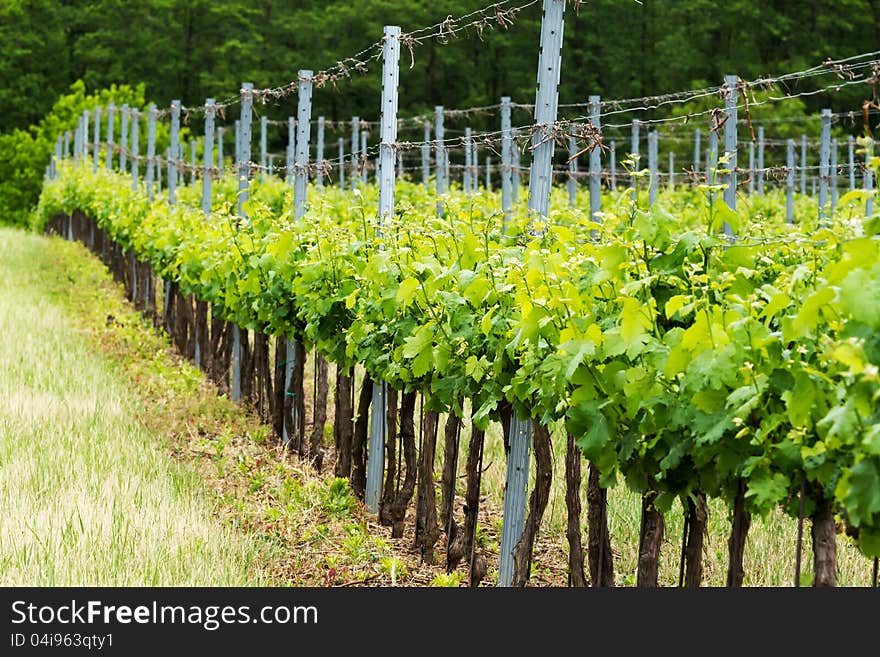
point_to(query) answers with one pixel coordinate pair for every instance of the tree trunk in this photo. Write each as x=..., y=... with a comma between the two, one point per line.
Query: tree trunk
x=168, y=308
x=298, y=383
x=454, y=538
x=410, y=457
x=451, y=435
x=824, y=534
x=247, y=367
x=650, y=542
x=600, y=556
x=359, y=441
x=698, y=516
x=427, y=529
x=343, y=424
x=389, y=491
x=279, y=391
x=294, y=402
x=316, y=444
x=474, y=469
x=183, y=325
x=150, y=302
x=522, y=553
x=573, y=505
x=263, y=385
x=219, y=369
x=736, y=544
x=201, y=333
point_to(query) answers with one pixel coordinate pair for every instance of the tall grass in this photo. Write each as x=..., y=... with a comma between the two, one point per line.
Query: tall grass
x=88, y=497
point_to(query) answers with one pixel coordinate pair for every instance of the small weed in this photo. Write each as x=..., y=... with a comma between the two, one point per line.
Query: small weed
x=448, y=580
x=394, y=568
x=339, y=501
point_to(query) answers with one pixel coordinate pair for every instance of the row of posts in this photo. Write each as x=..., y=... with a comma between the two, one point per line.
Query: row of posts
x=796, y=172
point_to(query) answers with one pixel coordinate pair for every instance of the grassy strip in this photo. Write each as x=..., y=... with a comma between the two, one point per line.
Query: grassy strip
x=108, y=443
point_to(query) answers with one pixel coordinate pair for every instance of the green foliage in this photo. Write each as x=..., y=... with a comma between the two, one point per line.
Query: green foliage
x=676, y=360
x=193, y=49
x=24, y=155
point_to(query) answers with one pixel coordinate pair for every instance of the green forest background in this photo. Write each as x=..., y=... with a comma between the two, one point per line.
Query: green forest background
x=157, y=50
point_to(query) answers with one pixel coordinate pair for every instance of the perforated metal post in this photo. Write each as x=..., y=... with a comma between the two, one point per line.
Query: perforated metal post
x=355, y=147
x=151, y=148
x=488, y=174
x=341, y=144
x=475, y=168
x=243, y=170
x=466, y=179
x=123, y=139
x=426, y=156
x=789, y=181
x=517, y=168
x=760, y=160
x=86, y=123
x=363, y=157
x=595, y=107
x=291, y=149
x=803, y=165
x=388, y=139
x=77, y=141
x=851, y=144
x=730, y=144
x=207, y=179
x=220, y=131
x=654, y=185
x=319, y=156
x=208, y=157
x=193, y=162
x=135, y=148
x=264, y=124
x=634, y=152
x=571, y=184
x=751, y=168
x=833, y=176
x=244, y=146
x=111, y=118
x=303, y=143
x=824, y=165
x=507, y=147
x=440, y=158
x=671, y=169
x=97, y=132
x=540, y=181
x=66, y=146
x=869, y=178
x=697, y=151
x=613, y=165
x=175, y=145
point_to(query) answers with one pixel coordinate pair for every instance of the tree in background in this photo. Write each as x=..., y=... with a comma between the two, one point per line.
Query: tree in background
x=24, y=154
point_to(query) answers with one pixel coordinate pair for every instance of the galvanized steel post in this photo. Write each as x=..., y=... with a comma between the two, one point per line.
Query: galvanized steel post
x=824, y=165
x=175, y=144
x=540, y=182
x=507, y=147
x=388, y=140
x=730, y=144
x=595, y=107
